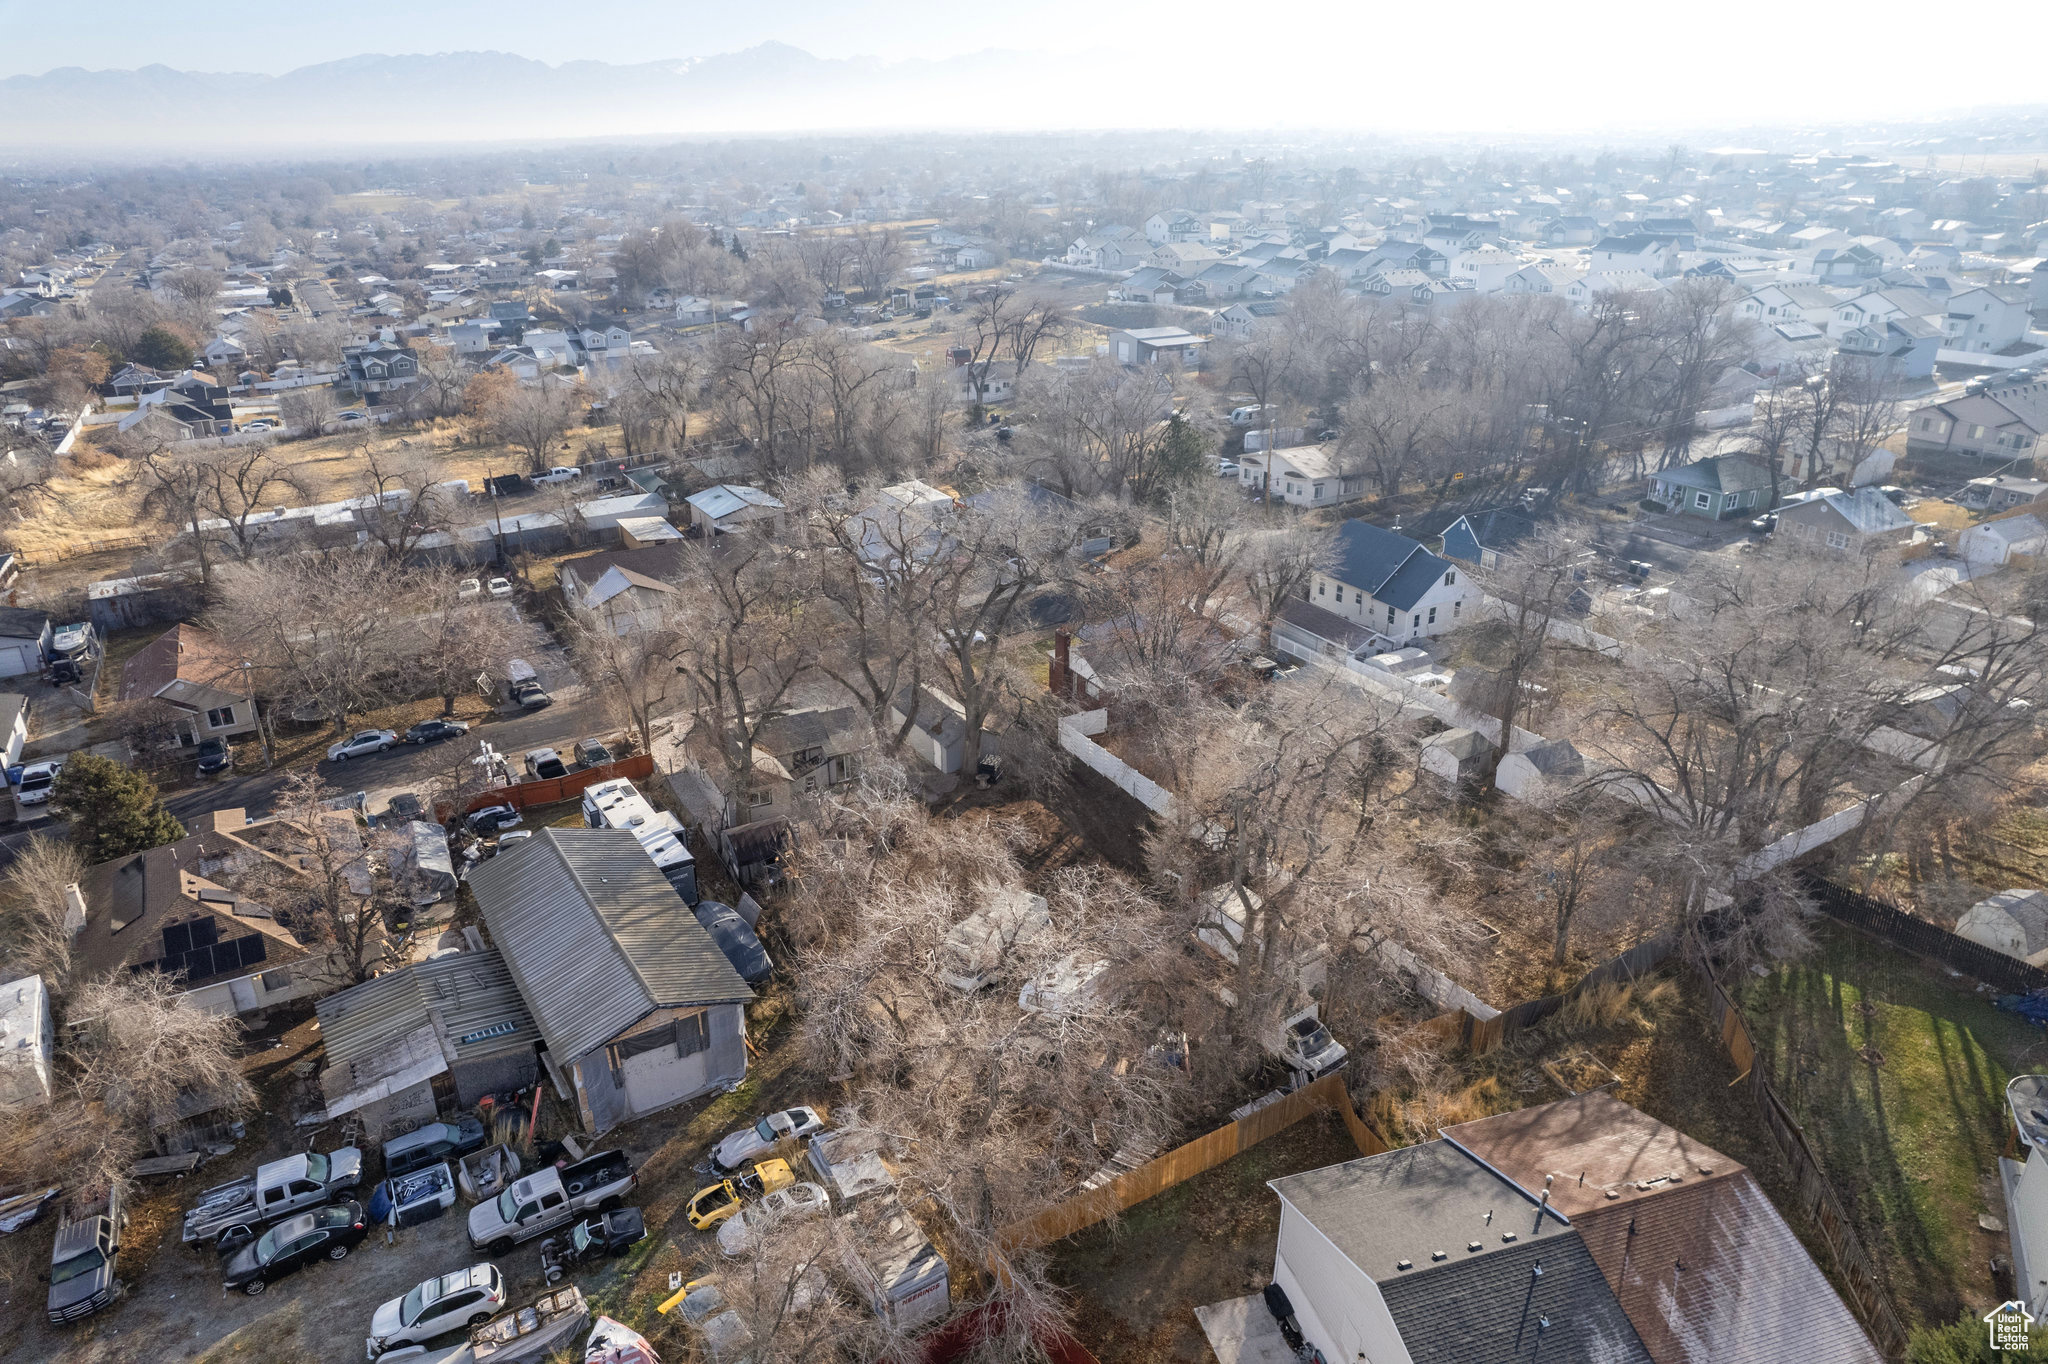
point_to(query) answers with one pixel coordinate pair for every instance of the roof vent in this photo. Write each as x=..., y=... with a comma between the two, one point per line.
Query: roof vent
x=1404, y=1264
x=1614, y=1193
x=1507, y=1236
x=1439, y=1255
x=1471, y=1245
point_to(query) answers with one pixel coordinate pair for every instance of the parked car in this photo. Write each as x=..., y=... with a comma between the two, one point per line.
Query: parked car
x=561, y=473
x=260, y=424
x=352, y=414
x=1766, y=523
x=433, y=731
x=745, y=1228
x=592, y=753
x=431, y=1143
x=230, y=1214
x=713, y=1203
x=469, y=589
x=607, y=1234
x=550, y=1198
x=405, y=807
x=544, y=764
x=499, y=588
x=83, y=1260
x=447, y=1302
x=37, y=780
x=327, y=1233
x=359, y=745
x=1227, y=468
x=740, y=944
x=492, y=818
x=522, y=685
x=215, y=756
x=737, y=1148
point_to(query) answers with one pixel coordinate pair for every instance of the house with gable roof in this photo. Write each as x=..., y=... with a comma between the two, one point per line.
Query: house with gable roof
x=1383, y=579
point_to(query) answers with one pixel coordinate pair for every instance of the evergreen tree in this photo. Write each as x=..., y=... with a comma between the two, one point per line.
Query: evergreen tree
x=1183, y=453
x=113, y=811
x=161, y=348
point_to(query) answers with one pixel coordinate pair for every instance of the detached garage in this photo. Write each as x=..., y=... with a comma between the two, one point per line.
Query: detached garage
x=24, y=635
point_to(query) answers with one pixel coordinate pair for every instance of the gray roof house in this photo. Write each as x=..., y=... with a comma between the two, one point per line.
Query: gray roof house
x=2014, y=922
x=1385, y=580
x=1713, y=489
x=1844, y=521
x=1428, y=1254
x=637, y=1007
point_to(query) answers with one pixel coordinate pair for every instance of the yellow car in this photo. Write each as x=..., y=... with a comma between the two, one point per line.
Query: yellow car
x=713, y=1203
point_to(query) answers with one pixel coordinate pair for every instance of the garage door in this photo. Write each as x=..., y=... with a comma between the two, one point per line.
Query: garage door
x=17, y=659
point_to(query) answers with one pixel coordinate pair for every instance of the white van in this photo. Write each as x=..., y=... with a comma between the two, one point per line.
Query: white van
x=1253, y=415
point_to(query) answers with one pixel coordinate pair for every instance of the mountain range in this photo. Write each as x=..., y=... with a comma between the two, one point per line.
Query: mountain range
x=454, y=97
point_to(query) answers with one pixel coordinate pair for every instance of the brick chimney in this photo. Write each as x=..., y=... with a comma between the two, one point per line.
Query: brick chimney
x=1059, y=678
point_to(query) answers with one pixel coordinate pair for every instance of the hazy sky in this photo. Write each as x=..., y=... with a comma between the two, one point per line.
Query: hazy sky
x=1481, y=64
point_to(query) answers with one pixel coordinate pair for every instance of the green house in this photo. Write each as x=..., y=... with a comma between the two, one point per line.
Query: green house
x=1715, y=489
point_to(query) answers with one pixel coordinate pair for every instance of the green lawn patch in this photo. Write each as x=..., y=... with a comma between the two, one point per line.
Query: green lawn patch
x=1897, y=1072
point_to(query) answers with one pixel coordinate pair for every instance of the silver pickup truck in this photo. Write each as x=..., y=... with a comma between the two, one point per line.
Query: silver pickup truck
x=550, y=1198
x=229, y=1215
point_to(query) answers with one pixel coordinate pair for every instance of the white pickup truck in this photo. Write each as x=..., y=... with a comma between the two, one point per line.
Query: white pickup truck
x=229, y=1215
x=550, y=1198
x=561, y=473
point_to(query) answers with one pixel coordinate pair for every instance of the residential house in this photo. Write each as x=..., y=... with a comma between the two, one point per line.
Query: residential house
x=1282, y=273
x=1223, y=280
x=629, y=587
x=604, y=343
x=1163, y=346
x=1701, y=1262
x=2014, y=922
x=905, y=519
x=1185, y=258
x=1775, y=303
x=24, y=640
x=1854, y=264
x=692, y=311
x=1879, y=306
x=1240, y=321
x=224, y=354
x=1864, y=520
x=433, y=1036
x=193, y=670
x=1997, y=424
x=379, y=367
x=1153, y=284
x=1428, y=1256
x=1383, y=579
x=1996, y=542
x=636, y=1005
x=1570, y=230
x=1303, y=476
x=134, y=380
x=2002, y=492
x=470, y=339
x=804, y=752
x=1414, y=287
x=727, y=507
x=1715, y=489
x=1174, y=225
x=975, y=256
x=1653, y=256
x=1988, y=319
x=1543, y=277
x=1486, y=268
x=509, y=315
x=1092, y=248
x=170, y=910
x=1897, y=348
x=1480, y=538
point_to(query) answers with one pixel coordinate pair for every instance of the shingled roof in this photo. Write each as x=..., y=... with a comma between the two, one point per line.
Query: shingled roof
x=1386, y=565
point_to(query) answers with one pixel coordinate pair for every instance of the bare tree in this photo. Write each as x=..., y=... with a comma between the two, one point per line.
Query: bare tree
x=323, y=873
x=1527, y=591
x=34, y=937
x=239, y=483
x=307, y=411
x=533, y=417
x=406, y=494
x=878, y=256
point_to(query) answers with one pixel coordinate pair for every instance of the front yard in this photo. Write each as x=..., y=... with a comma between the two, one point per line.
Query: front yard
x=1897, y=1070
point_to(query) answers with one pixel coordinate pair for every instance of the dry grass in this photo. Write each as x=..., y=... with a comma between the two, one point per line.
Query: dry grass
x=1618, y=1004
x=279, y=1338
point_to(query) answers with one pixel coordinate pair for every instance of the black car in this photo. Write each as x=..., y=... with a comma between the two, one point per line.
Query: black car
x=325, y=1233
x=489, y=820
x=741, y=946
x=602, y=1234
x=215, y=756
x=406, y=807
x=431, y=1143
x=431, y=731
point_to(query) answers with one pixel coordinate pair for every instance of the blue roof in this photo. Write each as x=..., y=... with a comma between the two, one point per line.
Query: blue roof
x=1496, y=530
x=1388, y=567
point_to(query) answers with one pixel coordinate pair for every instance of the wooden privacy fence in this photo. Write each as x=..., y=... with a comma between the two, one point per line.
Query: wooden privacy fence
x=546, y=792
x=1185, y=1162
x=1482, y=1035
x=1917, y=935
x=1816, y=1195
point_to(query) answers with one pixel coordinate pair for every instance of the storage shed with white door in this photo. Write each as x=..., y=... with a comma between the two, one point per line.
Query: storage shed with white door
x=24, y=638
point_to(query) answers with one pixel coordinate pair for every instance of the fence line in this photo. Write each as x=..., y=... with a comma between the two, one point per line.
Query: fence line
x=547, y=790
x=1817, y=1197
x=1885, y=921
x=1205, y=1152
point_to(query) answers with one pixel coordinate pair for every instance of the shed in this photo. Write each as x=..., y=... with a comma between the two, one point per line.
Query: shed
x=1544, y=771
x=28, y=1043
x=2014, y=922
x=24, y=639
x=1457, y=756
x=896, y=1267
x=638, y=532
x=427, y=861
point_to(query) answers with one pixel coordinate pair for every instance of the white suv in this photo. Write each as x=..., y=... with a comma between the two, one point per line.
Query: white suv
x=37, y=781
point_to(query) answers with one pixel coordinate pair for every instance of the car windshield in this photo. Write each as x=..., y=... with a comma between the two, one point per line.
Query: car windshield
x=765, y=1130
x=421, y=1296
x=78, y=1266
x=580, y=1238
x=316, y=1167
x=508, y=1205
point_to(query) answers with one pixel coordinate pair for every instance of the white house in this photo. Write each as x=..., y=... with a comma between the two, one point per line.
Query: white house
x=1774, y=303
x=1304, y=476
x=1987, y=319
x=1585, y=291
x=1653, y=256
x=1544, y=277
x=1486, y=267
x=1878, y=307
x=692, y=311
x=1391, y=583
x=28, y=1044
x=1996, y=542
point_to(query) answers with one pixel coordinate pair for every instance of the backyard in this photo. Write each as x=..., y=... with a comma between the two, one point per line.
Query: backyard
x=1897, y=1070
